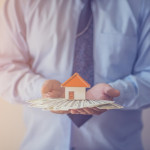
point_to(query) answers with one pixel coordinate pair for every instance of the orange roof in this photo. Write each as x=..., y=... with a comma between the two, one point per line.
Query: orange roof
x=75, y=81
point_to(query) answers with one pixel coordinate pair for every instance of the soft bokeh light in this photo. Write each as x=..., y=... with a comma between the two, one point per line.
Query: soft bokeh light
x=12, y=129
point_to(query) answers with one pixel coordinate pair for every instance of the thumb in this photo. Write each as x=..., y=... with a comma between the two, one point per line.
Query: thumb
x=111, y=91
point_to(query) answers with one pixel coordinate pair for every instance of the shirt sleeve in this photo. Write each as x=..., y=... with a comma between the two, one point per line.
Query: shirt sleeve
x=135, y=88
x=19, y=82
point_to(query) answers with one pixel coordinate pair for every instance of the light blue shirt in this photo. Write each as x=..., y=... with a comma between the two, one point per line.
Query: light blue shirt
x=37, y=40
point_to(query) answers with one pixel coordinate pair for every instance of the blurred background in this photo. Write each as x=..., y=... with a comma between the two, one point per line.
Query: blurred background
x=12, y=128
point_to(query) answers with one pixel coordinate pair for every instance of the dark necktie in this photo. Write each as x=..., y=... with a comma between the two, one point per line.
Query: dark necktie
x=83, y=56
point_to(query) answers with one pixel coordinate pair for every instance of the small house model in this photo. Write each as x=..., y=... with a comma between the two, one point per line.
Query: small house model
x=75, y=87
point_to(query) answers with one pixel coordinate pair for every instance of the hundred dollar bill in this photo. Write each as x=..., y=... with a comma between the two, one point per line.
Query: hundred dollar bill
x=110, y=106
x=64, y=104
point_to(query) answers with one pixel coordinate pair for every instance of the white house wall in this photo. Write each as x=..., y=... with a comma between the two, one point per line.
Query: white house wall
x=79, y=92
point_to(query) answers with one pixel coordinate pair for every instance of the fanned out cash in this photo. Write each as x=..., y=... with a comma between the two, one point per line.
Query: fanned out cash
x=64, y=104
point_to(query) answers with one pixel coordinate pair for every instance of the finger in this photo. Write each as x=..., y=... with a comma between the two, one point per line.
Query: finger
x=60, y=112
x=49, y=95
x=89, y=95
x=73, y=111
x=99, y=110
x=78, y=111
x=106, y=97
x=46, y=95
x=52, y=85
x=94, y=111
x=90, y=111
x=111, y=92
x=47, y=86
x=54, y=94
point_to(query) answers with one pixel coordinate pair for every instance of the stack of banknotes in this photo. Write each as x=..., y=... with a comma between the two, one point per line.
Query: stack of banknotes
x=64, y=104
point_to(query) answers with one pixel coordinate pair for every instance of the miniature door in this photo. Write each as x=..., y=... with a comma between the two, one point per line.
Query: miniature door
x=75, y=87
x=71, y=95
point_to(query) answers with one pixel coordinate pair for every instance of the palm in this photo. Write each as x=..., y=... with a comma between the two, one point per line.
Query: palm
x=98, y=92
x=53, y=89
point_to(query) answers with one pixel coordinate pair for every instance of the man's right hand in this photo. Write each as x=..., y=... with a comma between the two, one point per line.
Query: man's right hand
x=53, y=89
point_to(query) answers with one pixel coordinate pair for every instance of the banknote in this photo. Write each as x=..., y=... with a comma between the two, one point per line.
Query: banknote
x=64, y=104
x=110, y=106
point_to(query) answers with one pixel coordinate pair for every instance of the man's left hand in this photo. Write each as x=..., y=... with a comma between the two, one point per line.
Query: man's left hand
x=100, y=91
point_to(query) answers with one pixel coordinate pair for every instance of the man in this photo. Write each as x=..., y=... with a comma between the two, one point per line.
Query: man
x=37, y=51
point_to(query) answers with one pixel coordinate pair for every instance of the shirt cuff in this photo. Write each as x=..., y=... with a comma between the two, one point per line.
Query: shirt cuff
x=127, y=94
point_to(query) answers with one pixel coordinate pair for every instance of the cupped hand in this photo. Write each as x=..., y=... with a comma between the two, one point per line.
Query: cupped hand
x=100, y=91
x=53, y=89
